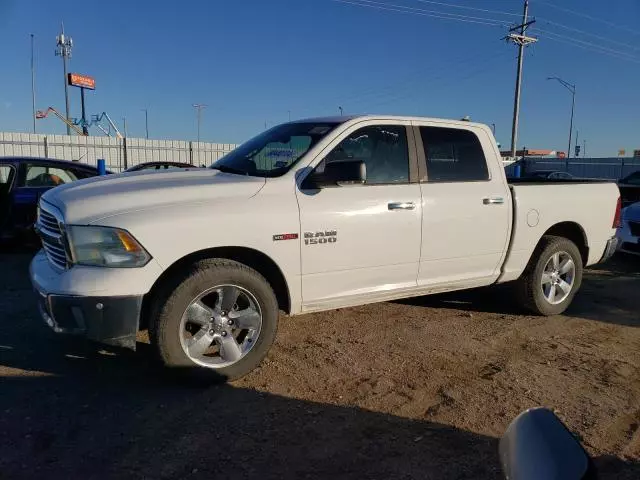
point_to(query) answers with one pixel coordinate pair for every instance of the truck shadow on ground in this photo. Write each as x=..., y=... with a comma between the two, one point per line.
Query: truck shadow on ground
x=69, y=409
x=608, y=294
x=96, y=414
x=87, y=413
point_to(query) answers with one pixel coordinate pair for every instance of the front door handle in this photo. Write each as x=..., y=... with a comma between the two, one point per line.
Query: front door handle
x=493, y=201
x=401, y=206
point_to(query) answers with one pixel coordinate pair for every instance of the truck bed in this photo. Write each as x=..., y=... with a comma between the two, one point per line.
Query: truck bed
x=538, y=205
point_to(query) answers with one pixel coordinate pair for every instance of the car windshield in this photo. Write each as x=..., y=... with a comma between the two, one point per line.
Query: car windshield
x=274, y=152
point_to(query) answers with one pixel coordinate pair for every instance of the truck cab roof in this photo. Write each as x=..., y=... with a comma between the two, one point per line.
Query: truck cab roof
x=337, y=119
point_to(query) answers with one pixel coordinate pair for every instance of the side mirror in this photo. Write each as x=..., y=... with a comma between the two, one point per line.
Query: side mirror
x=336, y=173
x=538, y=445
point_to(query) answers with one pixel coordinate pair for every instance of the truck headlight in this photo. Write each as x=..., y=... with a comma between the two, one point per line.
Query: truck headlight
x=105, y=247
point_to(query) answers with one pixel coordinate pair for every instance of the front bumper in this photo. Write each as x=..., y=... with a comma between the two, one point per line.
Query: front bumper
x=112, y=320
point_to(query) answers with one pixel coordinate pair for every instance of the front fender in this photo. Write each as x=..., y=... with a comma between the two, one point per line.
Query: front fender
x=172, y=233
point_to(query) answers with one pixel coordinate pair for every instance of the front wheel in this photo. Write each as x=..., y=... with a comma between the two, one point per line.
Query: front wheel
x=218, y=320
x=552, y=278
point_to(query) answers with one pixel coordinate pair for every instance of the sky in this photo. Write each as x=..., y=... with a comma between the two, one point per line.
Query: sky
x=257, y=62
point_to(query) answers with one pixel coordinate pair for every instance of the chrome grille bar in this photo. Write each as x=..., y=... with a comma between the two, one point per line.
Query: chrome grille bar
x=49, y=228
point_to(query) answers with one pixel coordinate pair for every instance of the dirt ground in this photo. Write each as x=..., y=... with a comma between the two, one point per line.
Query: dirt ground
x=421, y=388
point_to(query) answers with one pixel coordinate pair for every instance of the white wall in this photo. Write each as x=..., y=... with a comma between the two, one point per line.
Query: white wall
x=89, y=149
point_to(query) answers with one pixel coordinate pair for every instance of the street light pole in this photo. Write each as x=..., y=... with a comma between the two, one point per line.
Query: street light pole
x=340, y=108
x=33, y=85
x=199, y=107
x=572, y=89
x=146, y=121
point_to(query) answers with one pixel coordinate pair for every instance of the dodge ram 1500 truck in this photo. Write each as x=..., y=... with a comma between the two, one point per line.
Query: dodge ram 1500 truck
x=308, y=216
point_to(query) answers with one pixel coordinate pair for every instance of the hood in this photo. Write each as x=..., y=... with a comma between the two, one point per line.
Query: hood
x=632, y=212
x=89, y=200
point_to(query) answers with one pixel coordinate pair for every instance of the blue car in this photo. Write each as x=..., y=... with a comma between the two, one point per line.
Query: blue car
x=22, y=181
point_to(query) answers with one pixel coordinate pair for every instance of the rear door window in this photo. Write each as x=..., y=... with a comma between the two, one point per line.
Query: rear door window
x=453, y=155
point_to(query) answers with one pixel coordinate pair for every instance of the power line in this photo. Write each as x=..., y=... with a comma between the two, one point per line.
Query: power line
x=595, y=19
x=424, y=13
x=599, y=37
x=497, y=12
x=414, y=76
x=589, y=46
x=485, y=64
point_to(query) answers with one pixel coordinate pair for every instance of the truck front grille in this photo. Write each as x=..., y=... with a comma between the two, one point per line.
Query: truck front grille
x=51, y=233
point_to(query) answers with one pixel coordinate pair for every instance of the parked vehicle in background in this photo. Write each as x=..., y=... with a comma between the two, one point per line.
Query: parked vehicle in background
x=630, y=188
x=159, y=166
x=629, y=231
x=22, y=181
x=550, y=175
x=309, y=216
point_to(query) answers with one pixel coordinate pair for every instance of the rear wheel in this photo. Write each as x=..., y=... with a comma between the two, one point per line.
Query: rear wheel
x=552, y=278
x=218, y=320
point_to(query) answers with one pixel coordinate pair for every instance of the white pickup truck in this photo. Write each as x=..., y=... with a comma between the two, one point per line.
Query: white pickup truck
x=308, y=216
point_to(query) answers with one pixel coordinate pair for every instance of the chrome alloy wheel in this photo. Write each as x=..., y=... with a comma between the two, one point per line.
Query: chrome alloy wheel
x=220, y=326
x=558, y=277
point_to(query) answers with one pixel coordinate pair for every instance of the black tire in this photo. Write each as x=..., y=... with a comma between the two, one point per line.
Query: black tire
x=173, y=298
x=528, y=286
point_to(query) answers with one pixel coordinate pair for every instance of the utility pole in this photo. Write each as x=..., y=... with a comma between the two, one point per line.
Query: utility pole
x=33, y=85
x=521, y=40
x=64, y=44
x=124, y=126
x=146, y=121
x=340, y=108
x=199, y=107
x=584, y=148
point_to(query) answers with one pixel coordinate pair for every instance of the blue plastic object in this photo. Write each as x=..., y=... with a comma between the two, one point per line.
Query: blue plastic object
x=517, y=170
x=102, y=167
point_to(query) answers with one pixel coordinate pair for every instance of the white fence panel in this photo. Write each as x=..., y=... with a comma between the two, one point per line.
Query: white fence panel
x=89, y=149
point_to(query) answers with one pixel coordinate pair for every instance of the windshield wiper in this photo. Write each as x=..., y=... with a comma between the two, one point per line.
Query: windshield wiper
x=225, y=169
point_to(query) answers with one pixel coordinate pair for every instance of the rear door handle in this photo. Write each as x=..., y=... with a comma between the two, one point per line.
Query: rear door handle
x=493, y=201
x=401, y=206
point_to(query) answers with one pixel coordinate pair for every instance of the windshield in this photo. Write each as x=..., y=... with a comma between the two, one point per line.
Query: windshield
x=274, y=152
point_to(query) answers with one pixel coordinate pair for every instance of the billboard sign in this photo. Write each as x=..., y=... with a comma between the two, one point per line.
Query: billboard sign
x=83, y=81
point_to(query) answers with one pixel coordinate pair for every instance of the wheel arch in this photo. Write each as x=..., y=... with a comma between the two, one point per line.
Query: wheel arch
x=571, y=231
x=250, y=257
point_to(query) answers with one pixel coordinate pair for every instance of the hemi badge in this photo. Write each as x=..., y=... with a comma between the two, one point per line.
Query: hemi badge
x=285, y=236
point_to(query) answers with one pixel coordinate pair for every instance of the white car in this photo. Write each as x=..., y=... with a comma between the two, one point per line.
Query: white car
x=629, y=231
x=308, y=216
